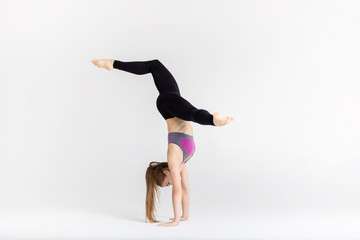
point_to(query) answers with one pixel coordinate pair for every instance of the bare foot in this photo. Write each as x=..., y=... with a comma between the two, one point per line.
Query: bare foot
x=104, y=63
x=220, y=121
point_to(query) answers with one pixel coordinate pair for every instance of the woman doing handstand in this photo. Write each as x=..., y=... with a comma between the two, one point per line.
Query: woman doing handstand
x=178, y=113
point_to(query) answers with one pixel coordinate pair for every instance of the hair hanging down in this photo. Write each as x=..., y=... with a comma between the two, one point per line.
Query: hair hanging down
x=154, y=178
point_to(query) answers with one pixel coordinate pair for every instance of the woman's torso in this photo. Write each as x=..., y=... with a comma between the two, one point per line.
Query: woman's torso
x=178, y=125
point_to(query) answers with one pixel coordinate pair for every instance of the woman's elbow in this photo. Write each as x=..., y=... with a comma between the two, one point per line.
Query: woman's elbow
x=185, y=190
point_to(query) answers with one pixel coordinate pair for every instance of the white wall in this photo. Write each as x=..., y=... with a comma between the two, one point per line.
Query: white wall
x=72, y=134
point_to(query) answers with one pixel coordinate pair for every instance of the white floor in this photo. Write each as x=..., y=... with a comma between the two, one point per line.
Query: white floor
x=67, y=223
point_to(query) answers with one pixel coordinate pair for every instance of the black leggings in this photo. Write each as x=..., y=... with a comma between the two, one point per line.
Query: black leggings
x=169, y=102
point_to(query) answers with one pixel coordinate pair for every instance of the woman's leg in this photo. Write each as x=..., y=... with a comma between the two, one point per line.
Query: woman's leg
x=176, y=105
x=173, y=105
x=164, y=81
x=166, y=84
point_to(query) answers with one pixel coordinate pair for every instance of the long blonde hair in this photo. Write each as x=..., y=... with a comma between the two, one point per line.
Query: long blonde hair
x=154, y=177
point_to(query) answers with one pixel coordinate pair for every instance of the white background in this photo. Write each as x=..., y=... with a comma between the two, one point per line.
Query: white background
x=75, y=140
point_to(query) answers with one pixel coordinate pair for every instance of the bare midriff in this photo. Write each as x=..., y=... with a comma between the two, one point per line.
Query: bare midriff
x=178, y=125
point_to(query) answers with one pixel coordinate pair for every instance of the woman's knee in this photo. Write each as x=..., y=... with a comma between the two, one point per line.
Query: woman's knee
x=156, y=61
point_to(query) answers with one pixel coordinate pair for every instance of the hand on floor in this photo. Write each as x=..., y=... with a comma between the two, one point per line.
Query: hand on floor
x=169, y=224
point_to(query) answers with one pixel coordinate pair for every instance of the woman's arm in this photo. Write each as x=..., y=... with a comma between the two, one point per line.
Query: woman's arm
x=174, y=158
x=185, y=186
x=176, y=198
x=176, y=182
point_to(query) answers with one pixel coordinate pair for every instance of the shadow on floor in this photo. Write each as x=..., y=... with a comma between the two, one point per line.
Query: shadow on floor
x=124, y=214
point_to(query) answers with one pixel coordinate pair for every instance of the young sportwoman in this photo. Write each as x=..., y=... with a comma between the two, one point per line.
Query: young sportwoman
x=178, y=113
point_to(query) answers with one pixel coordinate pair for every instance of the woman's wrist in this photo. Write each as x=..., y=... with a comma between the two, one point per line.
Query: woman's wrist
x=181, y=218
